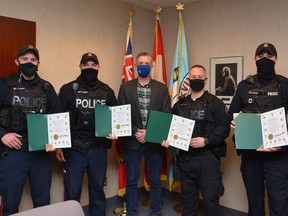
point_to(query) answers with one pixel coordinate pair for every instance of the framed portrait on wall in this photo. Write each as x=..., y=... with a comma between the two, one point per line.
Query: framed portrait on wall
x=226, y=73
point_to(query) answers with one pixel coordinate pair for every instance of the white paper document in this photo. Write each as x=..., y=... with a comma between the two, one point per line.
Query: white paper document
x=59, y=130
x=180, y=132
x=121, y=120
x=274, y=128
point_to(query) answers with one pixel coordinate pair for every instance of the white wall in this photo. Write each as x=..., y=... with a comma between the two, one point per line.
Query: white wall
x=68, y=28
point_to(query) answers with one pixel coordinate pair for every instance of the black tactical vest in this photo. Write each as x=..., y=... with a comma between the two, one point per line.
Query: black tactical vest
x=83, y=117
x=264, y=98
x=24, y=100
x=197, y=111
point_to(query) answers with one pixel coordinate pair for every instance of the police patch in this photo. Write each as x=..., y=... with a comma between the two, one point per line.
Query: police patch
x=272, y=93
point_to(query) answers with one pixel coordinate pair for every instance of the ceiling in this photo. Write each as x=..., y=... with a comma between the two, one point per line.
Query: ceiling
x=150, y=4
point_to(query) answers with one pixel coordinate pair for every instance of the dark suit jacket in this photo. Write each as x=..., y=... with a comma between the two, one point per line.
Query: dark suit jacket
x=159, y=101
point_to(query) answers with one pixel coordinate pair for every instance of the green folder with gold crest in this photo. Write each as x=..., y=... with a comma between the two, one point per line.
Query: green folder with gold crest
x=114, y=120
x=48, y=129
x=175, y=129
x=265, y=130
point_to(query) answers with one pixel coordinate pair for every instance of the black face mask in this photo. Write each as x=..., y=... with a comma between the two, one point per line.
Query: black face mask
x=89, y=74
x=196, y=84
x=265, y=69
x=28, y=69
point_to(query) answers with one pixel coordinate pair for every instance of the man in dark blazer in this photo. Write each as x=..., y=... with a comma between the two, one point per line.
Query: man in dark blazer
x=144, y=95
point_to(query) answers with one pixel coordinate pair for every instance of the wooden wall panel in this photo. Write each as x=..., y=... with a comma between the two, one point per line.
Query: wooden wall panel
x=13, y=34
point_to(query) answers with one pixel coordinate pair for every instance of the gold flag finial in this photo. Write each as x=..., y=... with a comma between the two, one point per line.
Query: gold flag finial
x=131, y=12
x=158, y=9
x=180, y=6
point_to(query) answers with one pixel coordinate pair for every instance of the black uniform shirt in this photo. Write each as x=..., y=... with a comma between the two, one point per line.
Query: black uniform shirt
x=67, y=97
x=5, y=95
x=240, y=98
x=215, y=119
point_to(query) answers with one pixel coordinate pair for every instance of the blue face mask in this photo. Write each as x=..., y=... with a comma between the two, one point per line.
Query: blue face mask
x=143, y=70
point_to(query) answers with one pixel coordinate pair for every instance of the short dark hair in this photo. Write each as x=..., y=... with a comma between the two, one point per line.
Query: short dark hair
x=143, y=54
x=198, y=66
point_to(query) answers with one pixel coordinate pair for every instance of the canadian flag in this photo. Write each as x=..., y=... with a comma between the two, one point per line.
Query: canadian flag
x=158, y=73
x=127, y=74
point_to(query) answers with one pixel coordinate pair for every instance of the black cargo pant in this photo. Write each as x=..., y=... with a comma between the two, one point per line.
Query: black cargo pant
x=200, y=172
x=266, y=169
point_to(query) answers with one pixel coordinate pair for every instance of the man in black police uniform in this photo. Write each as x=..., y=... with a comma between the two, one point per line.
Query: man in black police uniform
x=22, y=93
x=200, y=166
x=259, y=93
x=88, y=152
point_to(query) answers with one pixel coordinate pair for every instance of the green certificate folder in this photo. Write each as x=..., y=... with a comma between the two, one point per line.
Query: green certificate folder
x=48, y=128
x=158, y=126
x=114, y=120
x=37, y=131
x=265, y=130
x=103, y=124
x=248, y=132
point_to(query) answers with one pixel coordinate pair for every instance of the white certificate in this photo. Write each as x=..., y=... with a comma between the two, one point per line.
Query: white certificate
x=180, y=132
x=121, y=120
x=59, y=130
x=274, y=128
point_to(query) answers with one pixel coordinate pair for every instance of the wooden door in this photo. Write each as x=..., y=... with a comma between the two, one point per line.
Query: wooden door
x=13, y=34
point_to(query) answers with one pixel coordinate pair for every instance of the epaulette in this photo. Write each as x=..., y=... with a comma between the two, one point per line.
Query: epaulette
x=75, y=86
x=207, y=100
x=12, y=80
x=250, y=79
x=183, y=100
x=281, y=79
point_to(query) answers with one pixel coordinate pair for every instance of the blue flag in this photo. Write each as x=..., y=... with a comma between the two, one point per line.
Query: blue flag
x=180, y=64
x=179, y=72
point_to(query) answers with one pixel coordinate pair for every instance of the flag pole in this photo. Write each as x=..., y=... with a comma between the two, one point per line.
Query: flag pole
x=131, y=13
x=178, y=208
x=122, y=209
x=157, y=10
x=180, y=8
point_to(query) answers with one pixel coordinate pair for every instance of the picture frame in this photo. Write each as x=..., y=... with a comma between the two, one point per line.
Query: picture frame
x=225, y=74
